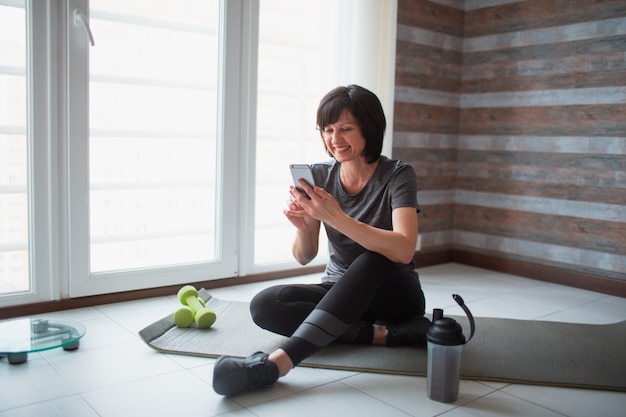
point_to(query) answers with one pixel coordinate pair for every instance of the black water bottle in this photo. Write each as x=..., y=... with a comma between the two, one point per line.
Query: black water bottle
x=445, y=342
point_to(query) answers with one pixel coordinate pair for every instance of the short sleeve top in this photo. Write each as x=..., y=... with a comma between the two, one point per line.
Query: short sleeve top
x=392, y=185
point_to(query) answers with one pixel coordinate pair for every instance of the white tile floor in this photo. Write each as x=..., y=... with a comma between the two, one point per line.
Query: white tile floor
x=115, y=374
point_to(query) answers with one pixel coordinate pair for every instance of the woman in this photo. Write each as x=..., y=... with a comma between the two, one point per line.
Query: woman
x=370, y=293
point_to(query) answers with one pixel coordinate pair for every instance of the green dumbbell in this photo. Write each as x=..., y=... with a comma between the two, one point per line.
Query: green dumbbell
x=193, y=309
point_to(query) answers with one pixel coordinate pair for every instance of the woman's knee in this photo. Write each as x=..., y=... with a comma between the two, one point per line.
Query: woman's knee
x=263, y=305
x=372, y=263
x=281, y=309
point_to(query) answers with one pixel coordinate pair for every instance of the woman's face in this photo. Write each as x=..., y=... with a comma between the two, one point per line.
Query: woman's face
x=343, y=138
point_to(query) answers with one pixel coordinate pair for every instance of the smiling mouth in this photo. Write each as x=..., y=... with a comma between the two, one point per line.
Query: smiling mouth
x=344, y=148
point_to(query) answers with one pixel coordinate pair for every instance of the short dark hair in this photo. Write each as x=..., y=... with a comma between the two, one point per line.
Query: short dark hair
x=366, y=109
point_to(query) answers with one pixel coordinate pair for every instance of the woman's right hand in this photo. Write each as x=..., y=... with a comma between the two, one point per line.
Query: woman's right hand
x=305, y=245
x=295, y=213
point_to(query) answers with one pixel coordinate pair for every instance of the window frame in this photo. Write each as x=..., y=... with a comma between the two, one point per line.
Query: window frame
x=234, y=36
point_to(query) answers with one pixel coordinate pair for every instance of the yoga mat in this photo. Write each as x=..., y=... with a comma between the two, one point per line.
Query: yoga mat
x=506, y=350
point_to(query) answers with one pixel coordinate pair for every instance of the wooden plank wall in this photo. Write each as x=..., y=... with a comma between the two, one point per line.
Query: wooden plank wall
x=429, y=57
x=513, y=114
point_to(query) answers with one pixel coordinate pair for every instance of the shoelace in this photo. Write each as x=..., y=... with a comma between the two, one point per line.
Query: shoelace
x=257, y=377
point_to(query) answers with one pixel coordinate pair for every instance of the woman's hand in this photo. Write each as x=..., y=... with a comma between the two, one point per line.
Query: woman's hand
x=397, y=244
x=302, y=211
x=306, y=243
x=295, y=213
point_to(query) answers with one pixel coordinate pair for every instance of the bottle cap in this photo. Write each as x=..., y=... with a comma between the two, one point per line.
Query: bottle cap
x=446, y=331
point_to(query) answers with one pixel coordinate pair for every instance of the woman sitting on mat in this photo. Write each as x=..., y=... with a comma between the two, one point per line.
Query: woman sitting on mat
x=370, y=293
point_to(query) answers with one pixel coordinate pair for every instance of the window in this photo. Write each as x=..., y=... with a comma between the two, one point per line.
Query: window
x=14, y=149
x=295, y=42
x=159, y=147
x=159, y=156
x=152, y=143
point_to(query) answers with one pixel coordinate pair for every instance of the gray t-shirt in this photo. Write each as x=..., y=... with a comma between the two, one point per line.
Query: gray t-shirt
x=393, y=185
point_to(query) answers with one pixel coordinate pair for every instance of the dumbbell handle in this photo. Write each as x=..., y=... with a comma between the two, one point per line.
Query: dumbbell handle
x=194, y=303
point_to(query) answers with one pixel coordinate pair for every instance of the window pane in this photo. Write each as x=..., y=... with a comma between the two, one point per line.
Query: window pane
x=153, y=78
x=295, y=49
x=14, y=216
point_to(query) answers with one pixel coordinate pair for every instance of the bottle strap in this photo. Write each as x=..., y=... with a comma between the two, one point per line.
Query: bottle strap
x=460, y=302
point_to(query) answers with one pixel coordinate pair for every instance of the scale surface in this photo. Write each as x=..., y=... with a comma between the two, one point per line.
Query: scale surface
x=20, y=337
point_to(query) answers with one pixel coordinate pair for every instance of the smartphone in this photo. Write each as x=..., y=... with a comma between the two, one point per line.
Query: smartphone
x=302, y=171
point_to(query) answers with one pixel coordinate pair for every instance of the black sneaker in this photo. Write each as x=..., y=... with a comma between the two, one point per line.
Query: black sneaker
x=410, y=332
x=232, y=376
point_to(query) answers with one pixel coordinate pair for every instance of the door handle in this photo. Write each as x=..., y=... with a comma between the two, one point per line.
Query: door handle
x=81, y=20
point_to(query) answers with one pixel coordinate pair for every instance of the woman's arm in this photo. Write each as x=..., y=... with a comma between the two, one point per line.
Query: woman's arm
x=306, y=244
x=398, y=245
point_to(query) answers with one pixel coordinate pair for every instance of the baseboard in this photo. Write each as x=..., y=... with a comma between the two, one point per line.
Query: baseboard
x=94, y=300
x=561, y=276
x=422, y=259
x=437, y=256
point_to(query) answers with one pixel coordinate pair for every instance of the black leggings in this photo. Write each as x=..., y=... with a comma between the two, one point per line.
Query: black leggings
x=313, y=316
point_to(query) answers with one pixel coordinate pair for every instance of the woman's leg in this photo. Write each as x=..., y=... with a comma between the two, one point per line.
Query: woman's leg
x=372, y=288
x=282, y=308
